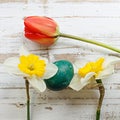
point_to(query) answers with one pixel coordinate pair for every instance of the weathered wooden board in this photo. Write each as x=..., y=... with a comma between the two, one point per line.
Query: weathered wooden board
x=93, y=19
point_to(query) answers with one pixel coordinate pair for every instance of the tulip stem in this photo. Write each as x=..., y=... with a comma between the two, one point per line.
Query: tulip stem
x=28, y=98
x=102, y=92
x=90, y=41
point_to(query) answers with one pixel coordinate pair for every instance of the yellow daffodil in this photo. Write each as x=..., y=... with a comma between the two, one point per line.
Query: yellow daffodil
x=32, y=67
x=90, y=71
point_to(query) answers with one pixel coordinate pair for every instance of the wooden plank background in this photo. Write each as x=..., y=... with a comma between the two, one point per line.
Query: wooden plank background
x=93, y=19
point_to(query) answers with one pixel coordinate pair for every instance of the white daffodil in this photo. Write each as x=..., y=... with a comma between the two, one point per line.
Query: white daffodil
x=99, y=69
x=32, y=67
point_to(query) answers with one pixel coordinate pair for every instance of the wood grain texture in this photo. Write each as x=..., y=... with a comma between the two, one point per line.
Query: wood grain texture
x=93, y=19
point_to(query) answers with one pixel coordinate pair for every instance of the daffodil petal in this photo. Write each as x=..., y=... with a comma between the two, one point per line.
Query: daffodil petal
x=75, y=84
x=38, y=84
x=75, y=69
x=106, y=72
x=45, y=59
x=12, y=61
x=79, y=64
x=78, y=83
x=11, y=66
x=110, y=60
x=87, y=78
x=51, y=70
x=23, y=51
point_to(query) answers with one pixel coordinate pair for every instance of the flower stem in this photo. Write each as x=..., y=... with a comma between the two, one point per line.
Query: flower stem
x=102, y=92
x=90, y=41
x=28, y=98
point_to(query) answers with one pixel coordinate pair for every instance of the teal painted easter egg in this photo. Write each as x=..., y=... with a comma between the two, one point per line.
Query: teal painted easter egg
x=63, y=76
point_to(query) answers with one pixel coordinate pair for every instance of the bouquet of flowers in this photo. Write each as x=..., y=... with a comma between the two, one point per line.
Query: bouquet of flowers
x=41, y=74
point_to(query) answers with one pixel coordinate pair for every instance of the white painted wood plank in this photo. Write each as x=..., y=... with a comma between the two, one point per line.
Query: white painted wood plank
x=68, y=111
x=83, y=9
x=77, y=111
x=7, y=1
x=68, y=96
x=78, y=1
x=55, y=9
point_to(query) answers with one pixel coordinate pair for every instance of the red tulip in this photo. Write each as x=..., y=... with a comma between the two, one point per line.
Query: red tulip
x=42, y=30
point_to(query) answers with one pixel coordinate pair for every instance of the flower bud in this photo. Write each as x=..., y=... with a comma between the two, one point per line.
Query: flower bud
x=42, y=30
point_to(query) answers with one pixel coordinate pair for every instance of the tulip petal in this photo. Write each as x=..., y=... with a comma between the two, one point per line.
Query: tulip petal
x=11, y=66
x=40, y=38
x=78, y=83
x=51, y=70
x=38, y=24
x=23, y=51
x=106, y=72
x=38, y=84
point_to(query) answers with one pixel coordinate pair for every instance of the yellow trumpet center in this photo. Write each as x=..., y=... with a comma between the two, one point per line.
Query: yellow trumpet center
x=32, y=65
x=96, y=67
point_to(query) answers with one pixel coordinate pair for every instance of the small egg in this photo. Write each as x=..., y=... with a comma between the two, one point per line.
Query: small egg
x=63, y=76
